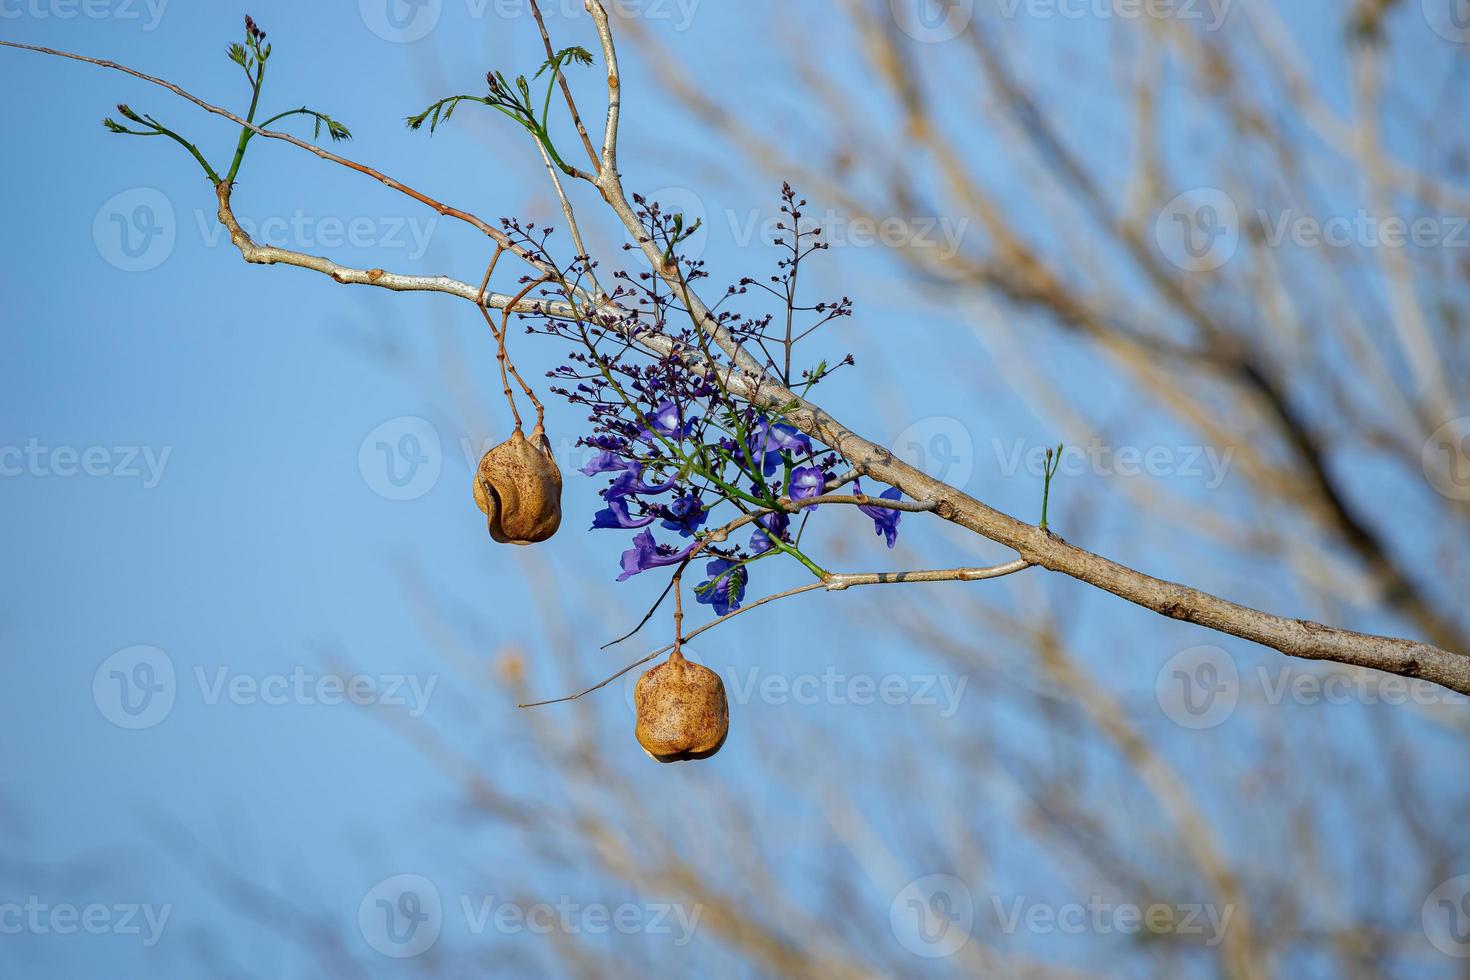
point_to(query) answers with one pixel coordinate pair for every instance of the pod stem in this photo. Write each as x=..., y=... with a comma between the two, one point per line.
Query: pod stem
x=507, y=367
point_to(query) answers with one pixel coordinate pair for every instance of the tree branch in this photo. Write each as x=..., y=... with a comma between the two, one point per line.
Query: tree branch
x=1294, y=637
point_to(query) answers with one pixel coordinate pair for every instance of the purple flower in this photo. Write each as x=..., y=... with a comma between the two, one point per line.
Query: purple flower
x=773, y=523
x=685, y=514
x=630, y=481
x=807, y=481
x=767, y=442
x=647, y=553
x=724, y=588
x=885, y=520
x=615, y=514
x=607, y=462
x=665, y=421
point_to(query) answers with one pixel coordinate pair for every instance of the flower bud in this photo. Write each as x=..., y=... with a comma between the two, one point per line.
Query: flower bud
x=682, y=714
x=518, y=487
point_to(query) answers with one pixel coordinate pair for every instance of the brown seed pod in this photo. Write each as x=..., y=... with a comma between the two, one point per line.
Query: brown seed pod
x=518, y=486
x=682, y=713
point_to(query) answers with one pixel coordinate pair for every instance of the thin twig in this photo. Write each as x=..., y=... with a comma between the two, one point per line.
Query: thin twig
x=566, y=90
x=809, y=587
x=483, y=226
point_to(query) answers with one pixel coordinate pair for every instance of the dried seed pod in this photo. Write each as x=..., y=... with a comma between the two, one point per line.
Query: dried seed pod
x=518, y=486
x=681, y=708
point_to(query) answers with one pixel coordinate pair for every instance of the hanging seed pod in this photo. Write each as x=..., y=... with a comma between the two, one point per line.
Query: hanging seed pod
x=682, y=714
x=518, y=487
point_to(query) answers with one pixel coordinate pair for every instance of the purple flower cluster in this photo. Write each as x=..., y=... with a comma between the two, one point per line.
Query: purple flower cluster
x=680, y=508
x=672, y=443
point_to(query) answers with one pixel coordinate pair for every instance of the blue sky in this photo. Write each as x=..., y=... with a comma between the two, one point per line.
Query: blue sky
x=239, y=527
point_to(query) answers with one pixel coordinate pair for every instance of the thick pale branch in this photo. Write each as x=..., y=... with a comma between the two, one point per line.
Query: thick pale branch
x=398, y=282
